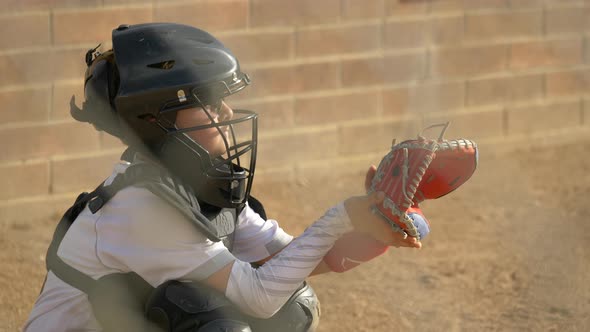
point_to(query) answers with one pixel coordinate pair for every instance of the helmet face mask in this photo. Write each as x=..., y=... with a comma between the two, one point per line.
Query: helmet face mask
x=226, y=173
x=163, y=69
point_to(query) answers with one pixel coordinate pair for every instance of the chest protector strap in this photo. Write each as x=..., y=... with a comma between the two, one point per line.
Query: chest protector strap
x=54, y=263
x=117, y=299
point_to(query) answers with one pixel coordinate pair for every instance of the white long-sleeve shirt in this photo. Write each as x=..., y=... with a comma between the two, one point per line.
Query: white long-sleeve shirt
x=137, y=231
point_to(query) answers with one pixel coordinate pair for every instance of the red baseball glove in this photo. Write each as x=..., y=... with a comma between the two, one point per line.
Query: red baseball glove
x=420, y=169
x=411, y=172
x=399, y=174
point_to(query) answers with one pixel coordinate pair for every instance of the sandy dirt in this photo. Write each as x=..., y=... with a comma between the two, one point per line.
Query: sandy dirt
x=510, y=251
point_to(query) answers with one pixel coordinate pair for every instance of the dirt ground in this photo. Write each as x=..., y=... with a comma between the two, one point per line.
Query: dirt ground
x=510, y=251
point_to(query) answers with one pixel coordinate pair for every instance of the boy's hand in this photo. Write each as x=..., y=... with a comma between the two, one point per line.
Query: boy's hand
x=359, y=209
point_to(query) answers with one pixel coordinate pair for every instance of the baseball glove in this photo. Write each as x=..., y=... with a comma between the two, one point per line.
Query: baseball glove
x=420, y=169
x=398, y=176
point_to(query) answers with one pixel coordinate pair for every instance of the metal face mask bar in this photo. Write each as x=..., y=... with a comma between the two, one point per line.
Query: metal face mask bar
x=236, y=176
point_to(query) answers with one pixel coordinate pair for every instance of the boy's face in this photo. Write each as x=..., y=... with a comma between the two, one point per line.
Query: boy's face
x=211, y=139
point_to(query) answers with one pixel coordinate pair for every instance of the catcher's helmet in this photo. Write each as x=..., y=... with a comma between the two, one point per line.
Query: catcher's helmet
x=155, y=70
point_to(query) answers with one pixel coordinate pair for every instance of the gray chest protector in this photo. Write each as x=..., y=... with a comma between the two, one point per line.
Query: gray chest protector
x=126, y=302
x=217, y=224
x=118, y=299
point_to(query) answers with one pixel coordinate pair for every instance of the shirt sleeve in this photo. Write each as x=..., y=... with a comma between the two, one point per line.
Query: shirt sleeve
x=262, y=291
x=140, y=232
x=256, y=238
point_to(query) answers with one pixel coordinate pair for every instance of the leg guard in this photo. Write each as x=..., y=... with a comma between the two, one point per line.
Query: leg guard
x=183, y=306
x=301, y=313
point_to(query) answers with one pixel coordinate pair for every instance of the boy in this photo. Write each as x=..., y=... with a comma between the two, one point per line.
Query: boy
x=172, y=239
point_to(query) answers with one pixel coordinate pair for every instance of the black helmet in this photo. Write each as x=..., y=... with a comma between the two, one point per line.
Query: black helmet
x=155, y=70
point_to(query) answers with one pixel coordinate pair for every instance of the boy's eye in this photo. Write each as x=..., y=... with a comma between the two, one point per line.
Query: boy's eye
x=214, y=106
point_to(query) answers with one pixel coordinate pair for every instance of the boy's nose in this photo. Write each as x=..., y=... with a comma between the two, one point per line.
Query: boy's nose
x=225, y=112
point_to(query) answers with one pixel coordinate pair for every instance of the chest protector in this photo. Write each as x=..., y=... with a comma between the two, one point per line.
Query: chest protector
x=118, y=299
x=217, y=224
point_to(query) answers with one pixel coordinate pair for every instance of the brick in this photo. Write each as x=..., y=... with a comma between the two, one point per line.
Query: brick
x=382, y=70
x=405, y=7
x=68, y=64
x=374, y=136
x=396, y=102
x=23, y=68
x=24, y=30
x=447, y=30
x=75, y=3
x=28, y=179
x=485, y=4
x=566, y=20
x=362, y=9
x=564, y=3
x=406, y=34
x=289, y=148
x=586, y=113
x=338, y=40
x=521, y=4
x=336, y=108
x=425, y=98
x=28, y=105
x=38, y=67
x=442, y=6
x=46, y=140
x=270, y=81
x=208, y=14
x=367, y=71
x=316, y=76
x=27, y=5
x=502, y=90
x=546, y=53
x=94, y=26
x=539, y=118
x=79, y=174
x=110, y=142
x=473, y=125
x=260, y=46
x=42, y=209
x=422, y=32
x=504, y=25
x=272, y=114
x=119, y=2
x=293, y=79
x=468, y=61
x=567, y=83
x=62, y=93
x=288, y=12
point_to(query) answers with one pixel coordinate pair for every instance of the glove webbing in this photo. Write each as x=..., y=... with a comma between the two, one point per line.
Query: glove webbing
x=408, y=191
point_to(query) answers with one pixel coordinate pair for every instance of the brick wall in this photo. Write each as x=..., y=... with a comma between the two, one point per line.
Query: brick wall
x=334, y=80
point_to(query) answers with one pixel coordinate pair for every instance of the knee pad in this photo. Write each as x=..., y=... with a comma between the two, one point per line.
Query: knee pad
x=188, y=306
x=301, y=313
